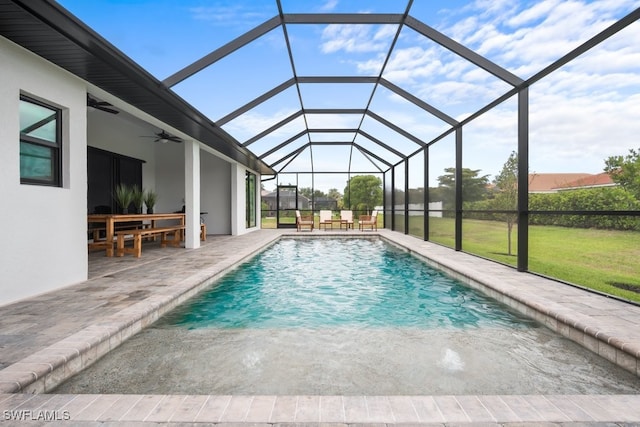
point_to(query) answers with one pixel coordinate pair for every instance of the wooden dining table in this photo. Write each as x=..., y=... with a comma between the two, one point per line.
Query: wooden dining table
x=110, y=221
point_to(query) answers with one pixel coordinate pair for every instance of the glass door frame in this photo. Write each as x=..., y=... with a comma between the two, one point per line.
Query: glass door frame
x=286, y=216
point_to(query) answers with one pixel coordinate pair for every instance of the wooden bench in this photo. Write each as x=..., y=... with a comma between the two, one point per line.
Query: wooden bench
x=175, y=231
x=98, y=241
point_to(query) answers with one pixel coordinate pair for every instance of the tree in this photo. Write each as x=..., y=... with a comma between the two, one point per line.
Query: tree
x=308, y=192
x=506, y=194
x=474, y=187
x=334, y=194
x=625, y=171
x=363, y=192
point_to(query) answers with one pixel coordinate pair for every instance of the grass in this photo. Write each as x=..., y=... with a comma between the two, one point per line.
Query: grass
x=596, y=259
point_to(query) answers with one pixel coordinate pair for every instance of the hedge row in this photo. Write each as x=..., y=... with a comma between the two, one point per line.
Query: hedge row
x=593, y=200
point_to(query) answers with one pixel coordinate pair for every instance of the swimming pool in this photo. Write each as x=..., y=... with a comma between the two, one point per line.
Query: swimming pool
x=323, y=283
x=347, y=317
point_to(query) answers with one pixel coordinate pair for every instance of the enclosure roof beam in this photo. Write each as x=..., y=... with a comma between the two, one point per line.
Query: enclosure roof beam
x=417, y=101
x=381, y=144
x=335, y=111
x=284, y=144
x=359, y=147
x=223, y=51
x=396, y=128
x=337, y=79
x=257, y=101
x=272, y=128
x=342, y=18
x=368, y=154
x=293, y=153
x=464, y=52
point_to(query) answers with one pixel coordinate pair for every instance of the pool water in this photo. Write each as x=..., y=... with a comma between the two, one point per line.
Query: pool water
x=340, y=282
x=323, y=316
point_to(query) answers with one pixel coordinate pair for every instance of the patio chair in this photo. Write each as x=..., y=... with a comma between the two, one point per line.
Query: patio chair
x=325, y=219
x=347, y=218
x=368, y=221
x=304, y=221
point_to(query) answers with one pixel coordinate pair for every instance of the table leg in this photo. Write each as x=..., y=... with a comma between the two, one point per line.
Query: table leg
x=109, y=233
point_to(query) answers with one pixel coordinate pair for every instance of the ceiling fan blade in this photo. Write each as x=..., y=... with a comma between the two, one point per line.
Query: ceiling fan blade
x=163, y=137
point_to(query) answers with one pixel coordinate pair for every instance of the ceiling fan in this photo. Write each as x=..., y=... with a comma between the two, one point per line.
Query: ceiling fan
x=100, y=105
x=164, y=137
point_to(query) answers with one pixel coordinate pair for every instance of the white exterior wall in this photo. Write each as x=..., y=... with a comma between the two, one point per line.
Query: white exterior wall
x=239, y=200
x=44, y=235
x=169, y=180
x=215, y=193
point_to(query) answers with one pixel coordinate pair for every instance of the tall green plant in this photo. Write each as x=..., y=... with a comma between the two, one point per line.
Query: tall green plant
x=123, y=195
x=137, y=198
x=150, y=198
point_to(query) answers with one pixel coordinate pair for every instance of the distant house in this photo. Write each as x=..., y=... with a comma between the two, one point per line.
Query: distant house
x=555, y=182
x=325, y=203
x=287, y=200
x=592, y=181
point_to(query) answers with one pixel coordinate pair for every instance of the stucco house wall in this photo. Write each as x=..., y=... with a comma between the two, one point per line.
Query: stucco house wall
x=215, y=193
x=44, y=247
x=45, y=234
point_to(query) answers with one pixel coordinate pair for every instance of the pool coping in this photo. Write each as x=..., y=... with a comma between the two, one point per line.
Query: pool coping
x=43, y=370
x=522, y=292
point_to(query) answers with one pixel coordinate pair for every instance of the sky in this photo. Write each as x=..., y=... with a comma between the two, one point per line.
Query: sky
x=580, y=114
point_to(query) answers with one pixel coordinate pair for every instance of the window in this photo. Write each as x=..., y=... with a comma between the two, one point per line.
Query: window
x=250, y=186
x=40, y=143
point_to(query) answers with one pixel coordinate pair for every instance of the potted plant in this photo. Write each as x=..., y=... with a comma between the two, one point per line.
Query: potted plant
x=137, y=198
x=123, y=196
x=150, y=198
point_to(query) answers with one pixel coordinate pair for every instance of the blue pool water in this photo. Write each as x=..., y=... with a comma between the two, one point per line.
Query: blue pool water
x=340, y=282
x=324, y=316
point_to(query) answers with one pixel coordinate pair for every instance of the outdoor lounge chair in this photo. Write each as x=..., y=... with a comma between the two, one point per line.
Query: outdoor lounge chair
x=347, y=218
x=304, y=221
x=325, y=219
x=368, y=221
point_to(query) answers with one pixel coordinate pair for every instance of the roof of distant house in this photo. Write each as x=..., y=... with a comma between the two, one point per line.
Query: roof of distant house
x=599, y=180
x=552, y=182
x=549, y=182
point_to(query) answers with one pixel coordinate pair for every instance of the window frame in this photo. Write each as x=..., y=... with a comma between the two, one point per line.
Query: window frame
x=251, y=181
x=55, y=146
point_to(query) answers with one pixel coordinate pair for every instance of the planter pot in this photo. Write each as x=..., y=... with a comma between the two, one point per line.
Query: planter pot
x=124, y=211
x=149, y=210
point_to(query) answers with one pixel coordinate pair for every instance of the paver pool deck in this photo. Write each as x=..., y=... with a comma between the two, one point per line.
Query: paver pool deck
x=48, y=338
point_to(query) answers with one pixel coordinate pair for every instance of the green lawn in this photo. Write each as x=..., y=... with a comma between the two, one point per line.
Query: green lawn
x=595, y=259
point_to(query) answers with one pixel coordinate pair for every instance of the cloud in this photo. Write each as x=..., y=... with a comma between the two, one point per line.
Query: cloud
x=329, y=5
x=252, y=123
x=354, y=38
x=230, y=15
